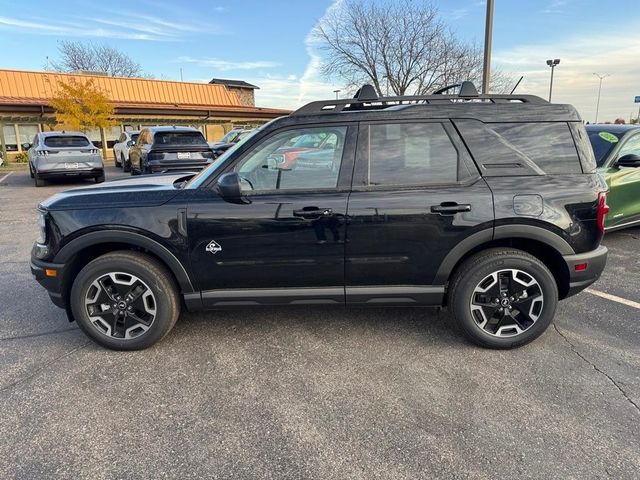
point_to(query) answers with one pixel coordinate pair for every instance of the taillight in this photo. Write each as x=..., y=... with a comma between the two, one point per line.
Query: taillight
x=603, y=209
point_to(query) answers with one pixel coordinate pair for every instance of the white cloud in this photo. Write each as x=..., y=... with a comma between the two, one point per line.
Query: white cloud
x=615, y=53
x=225, y=65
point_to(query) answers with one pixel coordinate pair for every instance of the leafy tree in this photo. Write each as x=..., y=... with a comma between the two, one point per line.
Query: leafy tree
x=99, y=58
x=401, y=46
x=82, y=106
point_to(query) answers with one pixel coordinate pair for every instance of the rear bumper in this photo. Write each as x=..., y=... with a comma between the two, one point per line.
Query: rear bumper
x=179, y=166
x=595, y=261
x=53, y=285
x=90, y=172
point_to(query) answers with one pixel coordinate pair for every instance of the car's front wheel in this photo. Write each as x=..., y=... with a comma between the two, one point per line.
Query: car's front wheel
x=125, y=300
x=126, y=165
x=115, y=160
x=503, y=298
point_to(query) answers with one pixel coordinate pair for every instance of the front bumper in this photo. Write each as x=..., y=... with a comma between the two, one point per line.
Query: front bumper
x=52, y=284
x=580, y=279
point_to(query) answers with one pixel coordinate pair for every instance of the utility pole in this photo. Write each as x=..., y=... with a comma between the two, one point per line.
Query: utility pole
x=488, y=38
x=553, y=64
x=601, y=77
x=337, y=92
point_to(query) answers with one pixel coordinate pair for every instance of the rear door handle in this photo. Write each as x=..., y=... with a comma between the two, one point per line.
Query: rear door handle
x=450, y=208
x=313, y=212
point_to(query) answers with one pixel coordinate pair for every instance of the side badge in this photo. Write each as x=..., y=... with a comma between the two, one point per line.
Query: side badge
x=213, y=247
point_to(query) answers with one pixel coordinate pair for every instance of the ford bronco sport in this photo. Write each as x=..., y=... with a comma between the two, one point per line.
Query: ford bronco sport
x=489, y=205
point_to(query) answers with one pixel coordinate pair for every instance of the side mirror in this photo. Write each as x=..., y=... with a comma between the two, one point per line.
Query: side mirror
x=229, y=187
x=630, y=160
x=26, y=146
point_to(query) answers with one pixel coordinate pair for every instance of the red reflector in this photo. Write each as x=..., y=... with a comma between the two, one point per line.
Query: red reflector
x=580, y=267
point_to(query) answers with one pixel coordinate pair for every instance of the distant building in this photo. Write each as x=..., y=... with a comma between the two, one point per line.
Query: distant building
x=245, y=91
x=215, y=108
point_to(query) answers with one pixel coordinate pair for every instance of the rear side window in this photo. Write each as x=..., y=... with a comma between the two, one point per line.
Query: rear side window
x=179, y=138
x=66, y=141
x=409, y=154
x=547, y=144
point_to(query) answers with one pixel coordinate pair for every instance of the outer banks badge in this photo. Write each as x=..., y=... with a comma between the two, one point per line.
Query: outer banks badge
x=213, y=247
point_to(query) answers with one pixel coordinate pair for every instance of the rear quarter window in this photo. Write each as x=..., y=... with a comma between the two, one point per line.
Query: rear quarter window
x=549, y=145
x=66, y=141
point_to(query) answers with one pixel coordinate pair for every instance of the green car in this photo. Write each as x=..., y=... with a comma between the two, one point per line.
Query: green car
x=617, y=151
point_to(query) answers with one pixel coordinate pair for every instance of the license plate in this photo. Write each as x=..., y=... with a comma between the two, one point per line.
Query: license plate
x=184, y=155
x=73, y=165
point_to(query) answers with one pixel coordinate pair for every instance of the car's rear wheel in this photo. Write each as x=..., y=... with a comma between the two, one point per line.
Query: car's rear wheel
x=503, y=298
x=115, y=160
x=38, y=180
x=100, y=178
x=125, y=300
x=30, y=170
x=126, y=166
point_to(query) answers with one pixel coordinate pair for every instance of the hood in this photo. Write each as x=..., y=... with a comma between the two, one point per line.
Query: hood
x=138, y=191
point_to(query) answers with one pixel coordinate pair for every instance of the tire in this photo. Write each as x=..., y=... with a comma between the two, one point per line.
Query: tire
x=126, y=166
x=38, y=181
x=156, y=308
x=115, y=160
x=100, y=178
x=30, y=170
x=503, y=274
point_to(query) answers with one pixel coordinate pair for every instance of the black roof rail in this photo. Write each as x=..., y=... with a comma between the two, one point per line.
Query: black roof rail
x=367, y=99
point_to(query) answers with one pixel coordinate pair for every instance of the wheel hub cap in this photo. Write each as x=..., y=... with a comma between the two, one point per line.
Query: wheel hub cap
x=506, y=303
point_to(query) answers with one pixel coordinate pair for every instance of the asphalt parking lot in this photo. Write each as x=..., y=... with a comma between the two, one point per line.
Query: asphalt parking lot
x=315, y=392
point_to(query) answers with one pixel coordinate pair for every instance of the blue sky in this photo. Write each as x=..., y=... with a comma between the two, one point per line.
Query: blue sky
x=263, y=42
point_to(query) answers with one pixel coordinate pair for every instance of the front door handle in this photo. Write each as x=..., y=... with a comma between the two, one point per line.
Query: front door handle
x=450, y=208
x=313, y=212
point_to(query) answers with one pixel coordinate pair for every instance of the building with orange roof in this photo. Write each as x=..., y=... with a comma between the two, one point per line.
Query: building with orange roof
x=214, y=108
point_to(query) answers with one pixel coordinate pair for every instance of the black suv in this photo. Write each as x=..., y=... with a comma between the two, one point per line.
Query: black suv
x=486, y=204
x=163, y=149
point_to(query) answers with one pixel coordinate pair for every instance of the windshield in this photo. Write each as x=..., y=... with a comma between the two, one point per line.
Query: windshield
x=179, y=138
x=603, y=143
x=229, y=137
x=201, y=177
x=67, y=141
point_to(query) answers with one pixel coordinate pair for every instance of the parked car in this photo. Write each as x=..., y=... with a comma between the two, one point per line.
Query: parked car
x=63, y=154
x=229, y=140
x=617, y=151
x=483, y=204
x=121, y=149
x=312, y=147
x=164, y=149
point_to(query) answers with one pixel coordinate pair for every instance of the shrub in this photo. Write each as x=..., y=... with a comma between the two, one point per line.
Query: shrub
x=22, y=157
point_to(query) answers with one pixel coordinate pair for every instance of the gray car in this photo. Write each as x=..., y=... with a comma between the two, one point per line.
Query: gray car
x=64, y=154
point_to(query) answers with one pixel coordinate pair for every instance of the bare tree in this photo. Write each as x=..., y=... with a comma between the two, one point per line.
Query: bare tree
x=77, y=56
x=401, y=46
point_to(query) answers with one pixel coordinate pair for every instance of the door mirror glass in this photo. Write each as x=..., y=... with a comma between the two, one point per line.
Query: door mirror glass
x=630, y=160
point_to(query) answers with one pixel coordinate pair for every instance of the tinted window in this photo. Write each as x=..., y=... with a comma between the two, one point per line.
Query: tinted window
x=179, y=138
x=67, y=141
x=410, y=154
x=134, y=137
x=549, y=145
x=277, y=165
x=603, y=143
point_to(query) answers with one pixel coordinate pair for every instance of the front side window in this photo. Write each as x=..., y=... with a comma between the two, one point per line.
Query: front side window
x=409, y=154
x=281, y=163
x=631, y=147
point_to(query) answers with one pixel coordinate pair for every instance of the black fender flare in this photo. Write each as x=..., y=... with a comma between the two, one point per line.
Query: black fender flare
x=90, y=239
x=527, y=232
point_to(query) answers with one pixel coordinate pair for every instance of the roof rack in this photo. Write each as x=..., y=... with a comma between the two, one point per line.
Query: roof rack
x=367, y=99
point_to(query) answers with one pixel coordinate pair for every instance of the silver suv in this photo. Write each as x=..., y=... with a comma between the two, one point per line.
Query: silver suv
x=63, y=154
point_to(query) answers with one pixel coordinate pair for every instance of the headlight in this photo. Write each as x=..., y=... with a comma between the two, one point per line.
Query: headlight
x=42, y=227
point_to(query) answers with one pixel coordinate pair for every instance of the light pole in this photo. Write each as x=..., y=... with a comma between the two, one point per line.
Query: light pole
x=601, y=77
x=488, y=36
x=553, y=64
x=337, y=92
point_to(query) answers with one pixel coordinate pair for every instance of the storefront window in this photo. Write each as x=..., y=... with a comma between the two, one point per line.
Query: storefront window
x=10, y=143
x=112, y=135
x=94, y=136
x=27, y=133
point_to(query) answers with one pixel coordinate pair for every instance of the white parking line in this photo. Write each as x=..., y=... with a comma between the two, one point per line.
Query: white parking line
x=614, y=298
x=5, y=177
